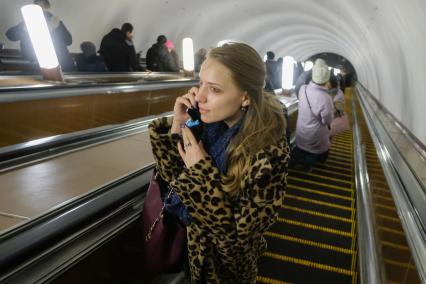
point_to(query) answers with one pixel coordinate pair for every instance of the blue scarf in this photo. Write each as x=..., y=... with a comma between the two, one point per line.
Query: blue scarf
x=216, y=138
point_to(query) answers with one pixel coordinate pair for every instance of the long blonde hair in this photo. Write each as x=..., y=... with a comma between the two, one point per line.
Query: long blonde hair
x=263, y=123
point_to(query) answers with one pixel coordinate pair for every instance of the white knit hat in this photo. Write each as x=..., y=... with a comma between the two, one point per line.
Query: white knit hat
x=320, y=72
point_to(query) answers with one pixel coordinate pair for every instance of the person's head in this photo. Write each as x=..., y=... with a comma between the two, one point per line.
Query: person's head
x=127, y=29
x=320, y=72
x=161, y=39
x=333, y=82
x=169, y=44
x=270, y=55
x=44, y=4
x=88, y=48
x=231, y=88
x=202, y=52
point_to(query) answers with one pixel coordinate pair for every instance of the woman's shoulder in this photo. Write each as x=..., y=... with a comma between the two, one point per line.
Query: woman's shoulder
x=165, y=121
x=273, y=153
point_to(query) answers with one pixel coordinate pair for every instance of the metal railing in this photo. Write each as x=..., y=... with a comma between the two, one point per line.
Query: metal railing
x=408, y=193
x=369, y=253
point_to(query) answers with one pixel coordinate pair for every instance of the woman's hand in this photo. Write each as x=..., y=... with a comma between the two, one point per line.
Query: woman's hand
x=191, y=151
x=182, y=103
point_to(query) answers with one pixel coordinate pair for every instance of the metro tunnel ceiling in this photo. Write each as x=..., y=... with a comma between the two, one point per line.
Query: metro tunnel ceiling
x=385, y=40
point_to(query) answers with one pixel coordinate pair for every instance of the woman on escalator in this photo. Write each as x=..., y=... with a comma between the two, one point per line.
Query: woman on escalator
x=232, y=181
x=314, y=118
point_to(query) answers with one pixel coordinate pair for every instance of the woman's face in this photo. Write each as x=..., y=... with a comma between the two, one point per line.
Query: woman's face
x=218, y=96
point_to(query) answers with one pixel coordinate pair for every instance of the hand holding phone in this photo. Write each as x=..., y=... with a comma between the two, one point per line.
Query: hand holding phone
x=195, y=123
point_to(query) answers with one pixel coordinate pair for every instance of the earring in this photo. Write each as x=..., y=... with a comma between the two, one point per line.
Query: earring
x=244, y=108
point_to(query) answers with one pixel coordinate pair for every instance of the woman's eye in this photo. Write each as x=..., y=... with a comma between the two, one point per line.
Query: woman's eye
x=215, y=90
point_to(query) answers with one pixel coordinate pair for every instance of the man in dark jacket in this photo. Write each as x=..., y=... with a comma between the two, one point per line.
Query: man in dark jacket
x=272, y=71
x=303, y=79
x=118, y=50
x=158, y=57
x=61, y=38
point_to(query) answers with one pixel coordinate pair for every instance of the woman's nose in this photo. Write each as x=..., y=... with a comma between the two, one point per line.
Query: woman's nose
x=201, y=95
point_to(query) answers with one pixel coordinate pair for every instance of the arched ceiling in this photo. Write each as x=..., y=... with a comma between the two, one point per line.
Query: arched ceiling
x=385, y=40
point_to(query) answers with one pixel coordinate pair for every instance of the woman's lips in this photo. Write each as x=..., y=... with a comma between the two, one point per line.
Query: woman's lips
x=202, y=110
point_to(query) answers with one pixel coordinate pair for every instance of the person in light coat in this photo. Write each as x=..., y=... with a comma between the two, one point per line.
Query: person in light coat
x=314, y=119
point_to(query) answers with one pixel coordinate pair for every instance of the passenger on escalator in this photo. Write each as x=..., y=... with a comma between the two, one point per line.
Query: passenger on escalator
x=272, y=71
x=158, y=57
x=173, y=61
x=232, y=182
x=199, y=58
x=337, y=96
x=61, y=38
x=118, y=50
x=88, y=60
x=303, y=79
x=314, y=119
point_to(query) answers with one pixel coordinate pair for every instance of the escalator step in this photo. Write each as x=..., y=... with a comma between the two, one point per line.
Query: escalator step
x=313, y=233
x=315, y=205
x=295, y=270
x=322, y=186
x=316, y=220
x=335, y=169
x=319, y=195
x=322, y=178
x=332, y=174
x=309, y=253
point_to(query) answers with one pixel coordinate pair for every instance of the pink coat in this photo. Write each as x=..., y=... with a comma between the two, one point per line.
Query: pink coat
x=312, y=128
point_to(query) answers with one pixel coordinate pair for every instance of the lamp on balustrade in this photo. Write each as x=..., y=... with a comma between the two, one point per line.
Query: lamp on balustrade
x=188, y=56
x=42, y=42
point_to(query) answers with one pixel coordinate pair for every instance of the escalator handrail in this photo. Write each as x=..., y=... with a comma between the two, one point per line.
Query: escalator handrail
x=27, y=93
x=11, y=156
x=408, y=193
x=369, y=253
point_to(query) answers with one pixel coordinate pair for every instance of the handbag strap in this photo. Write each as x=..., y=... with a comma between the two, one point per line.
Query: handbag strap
x=160, y=216
x=309, y=104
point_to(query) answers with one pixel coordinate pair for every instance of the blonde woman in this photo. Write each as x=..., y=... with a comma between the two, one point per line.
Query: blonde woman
x=232, y=182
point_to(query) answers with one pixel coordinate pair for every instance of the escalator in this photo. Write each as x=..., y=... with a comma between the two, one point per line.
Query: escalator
x=314, y=239
x=322, y=226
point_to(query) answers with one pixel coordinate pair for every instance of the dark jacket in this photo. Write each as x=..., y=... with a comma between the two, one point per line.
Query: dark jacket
x=225, y=239
x=159, y=59
x=91, y=63
x=272, y=74
x=303, y=79
x=119, y=53
x=61, y=38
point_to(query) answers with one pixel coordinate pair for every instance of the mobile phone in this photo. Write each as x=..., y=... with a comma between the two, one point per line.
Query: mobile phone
x=194, y=122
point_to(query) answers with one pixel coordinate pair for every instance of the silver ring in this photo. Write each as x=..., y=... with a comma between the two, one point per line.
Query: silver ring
x=187, y=145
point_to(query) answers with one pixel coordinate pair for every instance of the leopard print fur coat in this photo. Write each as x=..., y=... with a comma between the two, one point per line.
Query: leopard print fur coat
x=225, y=238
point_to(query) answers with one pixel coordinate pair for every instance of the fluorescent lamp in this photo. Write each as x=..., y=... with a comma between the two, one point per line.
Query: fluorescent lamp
x=41, y=41
x=288, y=70
x=188, y=55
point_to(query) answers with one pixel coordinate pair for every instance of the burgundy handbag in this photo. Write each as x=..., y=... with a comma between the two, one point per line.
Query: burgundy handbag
x=164, y=245
x=339, y=124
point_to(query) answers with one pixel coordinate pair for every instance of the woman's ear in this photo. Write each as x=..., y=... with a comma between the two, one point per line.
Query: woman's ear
x=246, y=100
